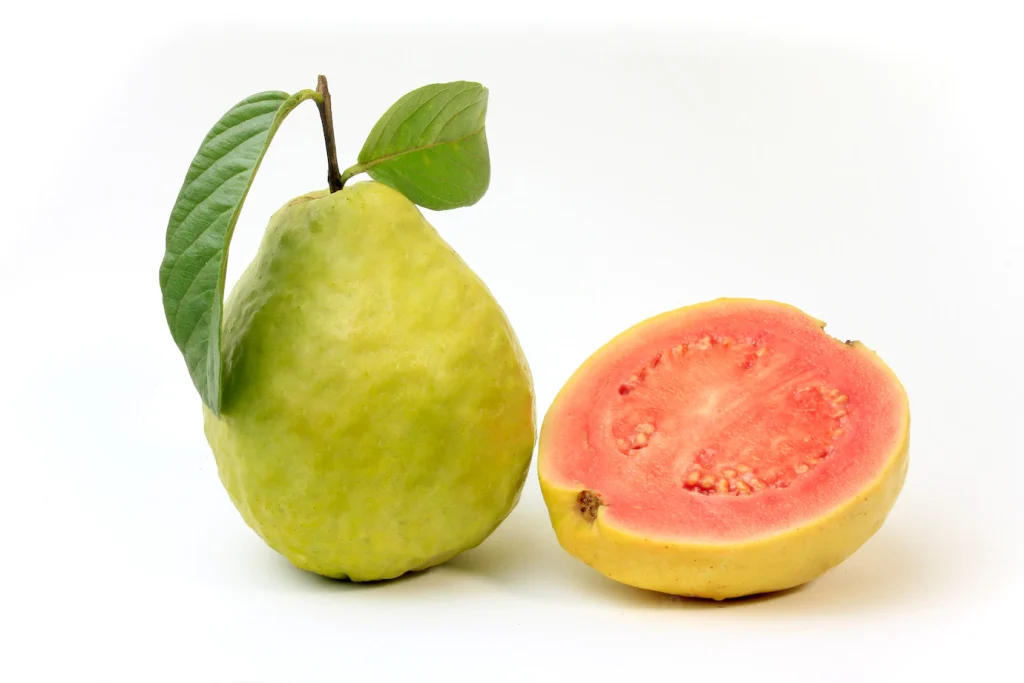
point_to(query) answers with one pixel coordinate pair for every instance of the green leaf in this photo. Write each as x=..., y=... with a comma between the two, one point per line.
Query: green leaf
x=431, y=146
x=195, y=260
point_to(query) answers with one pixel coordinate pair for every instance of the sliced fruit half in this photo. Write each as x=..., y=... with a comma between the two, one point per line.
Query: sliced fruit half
x=724, y=449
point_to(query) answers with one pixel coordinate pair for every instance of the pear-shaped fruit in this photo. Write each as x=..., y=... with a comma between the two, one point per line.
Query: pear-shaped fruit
x=378, y=413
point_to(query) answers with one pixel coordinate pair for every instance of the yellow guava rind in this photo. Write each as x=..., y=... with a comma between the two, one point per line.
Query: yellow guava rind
x=719, y=571
x=378, y=412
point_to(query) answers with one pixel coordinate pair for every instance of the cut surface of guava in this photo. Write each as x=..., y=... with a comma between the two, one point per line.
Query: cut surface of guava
x=730, y=422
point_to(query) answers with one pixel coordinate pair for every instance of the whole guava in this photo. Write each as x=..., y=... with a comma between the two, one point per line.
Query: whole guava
x=378, y=414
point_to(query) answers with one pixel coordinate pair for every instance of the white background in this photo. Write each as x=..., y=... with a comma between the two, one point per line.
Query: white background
x=859, y=160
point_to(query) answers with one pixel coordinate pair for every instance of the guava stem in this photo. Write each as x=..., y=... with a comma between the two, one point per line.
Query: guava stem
x=334, y=180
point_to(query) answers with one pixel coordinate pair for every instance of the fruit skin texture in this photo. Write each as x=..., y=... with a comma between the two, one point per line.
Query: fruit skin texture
x=717, y=570
x=378, y=413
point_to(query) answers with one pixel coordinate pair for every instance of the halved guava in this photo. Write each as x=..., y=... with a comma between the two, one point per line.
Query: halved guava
x=724, y=449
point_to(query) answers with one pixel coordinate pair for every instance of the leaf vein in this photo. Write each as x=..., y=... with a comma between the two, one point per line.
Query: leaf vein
x=213, y=140
x=226, y=158
x=178, y=260
x=185, y=297
x=459, y=113
x=439, y=111
x=388, y=157
x=415, y=111
x=181, y=225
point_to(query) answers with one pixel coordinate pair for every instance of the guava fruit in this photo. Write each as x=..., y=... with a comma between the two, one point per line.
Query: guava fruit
x=378, y=412
x=723, y=449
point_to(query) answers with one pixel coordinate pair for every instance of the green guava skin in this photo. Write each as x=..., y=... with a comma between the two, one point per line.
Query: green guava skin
x=378, y=414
